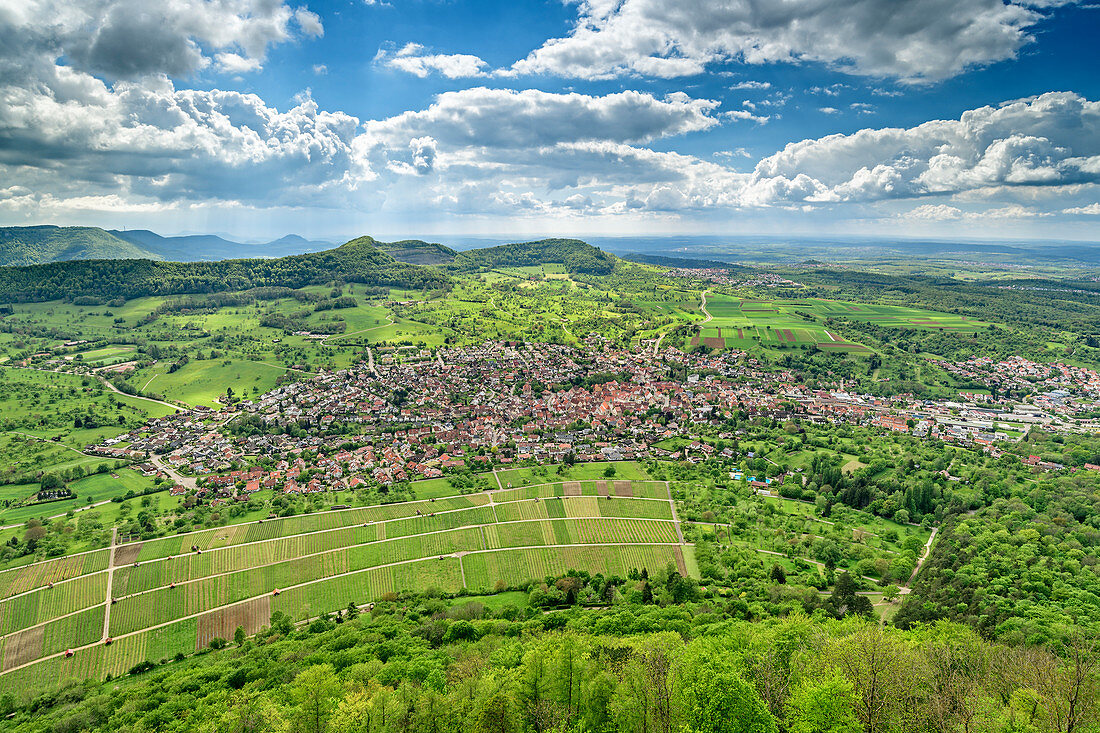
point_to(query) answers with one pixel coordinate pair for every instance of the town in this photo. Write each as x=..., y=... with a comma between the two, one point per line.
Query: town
x=503, y=403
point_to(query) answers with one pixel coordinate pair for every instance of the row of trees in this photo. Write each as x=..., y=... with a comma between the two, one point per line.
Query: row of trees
x=379, y=672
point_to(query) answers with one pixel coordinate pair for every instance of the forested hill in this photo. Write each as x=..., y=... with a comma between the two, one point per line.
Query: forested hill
x=577, y=256
x=683, y=262
x=418, y=252
x=357, y=261
x=39, y=244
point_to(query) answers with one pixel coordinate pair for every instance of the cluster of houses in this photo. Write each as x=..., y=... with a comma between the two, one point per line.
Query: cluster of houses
x=723, y=276
x=1066, y=387
x=505, y=402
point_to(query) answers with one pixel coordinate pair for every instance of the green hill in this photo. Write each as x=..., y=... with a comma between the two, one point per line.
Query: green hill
x=357, y=261
x=577, y=256
x=417, y=252
x=40, y=244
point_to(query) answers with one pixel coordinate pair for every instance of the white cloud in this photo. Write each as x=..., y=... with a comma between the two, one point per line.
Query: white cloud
x=130, y=39
x=751, y=85
x=231, y=63
x=309, y=22
x=1050, y=140
x=918, y=40
x=944, y=212
x=480, y=117
x=742, y=114
x=411, y=59
x=1089, y=210
x=829, y=110
x=934, y=212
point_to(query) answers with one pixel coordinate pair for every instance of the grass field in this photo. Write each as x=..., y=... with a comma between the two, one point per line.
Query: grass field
x=744, y=323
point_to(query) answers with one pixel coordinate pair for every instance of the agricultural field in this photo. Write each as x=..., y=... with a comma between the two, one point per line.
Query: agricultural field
x=173, y=595
x=745, y=323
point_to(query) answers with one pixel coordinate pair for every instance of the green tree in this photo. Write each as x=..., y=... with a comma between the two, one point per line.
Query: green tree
x=313, y=693
x=714, y=697
x=823, y=707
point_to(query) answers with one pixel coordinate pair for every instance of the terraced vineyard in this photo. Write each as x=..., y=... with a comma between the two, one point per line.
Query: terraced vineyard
x=170, y=596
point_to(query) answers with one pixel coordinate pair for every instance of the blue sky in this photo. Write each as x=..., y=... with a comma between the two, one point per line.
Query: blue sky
x=955, y=118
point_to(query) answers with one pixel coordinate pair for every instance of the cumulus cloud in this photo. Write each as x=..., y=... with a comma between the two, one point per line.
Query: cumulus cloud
x=166, y=142
x=130, y=39
x=91, y=124
x=412, y=59
x=1050, y=140
x=504, y=118
x=915, y=40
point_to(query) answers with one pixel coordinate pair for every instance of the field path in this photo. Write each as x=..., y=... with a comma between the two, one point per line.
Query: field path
x=920, y=562
x=110, y=585
x=675, y=516
x=275, y=366
x=324, y=341
x=703, y=307
x=116, y=390
x=493, y=504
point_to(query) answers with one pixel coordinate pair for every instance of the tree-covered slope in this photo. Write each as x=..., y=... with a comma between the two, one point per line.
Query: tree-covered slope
x=577, y=256
x=40, y=244
x=418, y=665
x=356, y=261
x=1022, y=568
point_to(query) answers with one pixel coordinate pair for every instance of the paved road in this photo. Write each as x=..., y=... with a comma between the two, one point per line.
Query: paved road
x=703, y=307
x=185, y=481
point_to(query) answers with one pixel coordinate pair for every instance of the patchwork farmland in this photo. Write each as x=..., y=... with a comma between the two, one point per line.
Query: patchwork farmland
x=741, y=323
x=104, y=611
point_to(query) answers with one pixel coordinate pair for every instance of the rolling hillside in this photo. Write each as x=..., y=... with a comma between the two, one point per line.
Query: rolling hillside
x=357, y=261
x=210, y=247
x=577, y=256
x=41, y=244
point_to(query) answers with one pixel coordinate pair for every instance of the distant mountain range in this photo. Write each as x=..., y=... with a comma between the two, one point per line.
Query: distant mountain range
x=38, y=245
